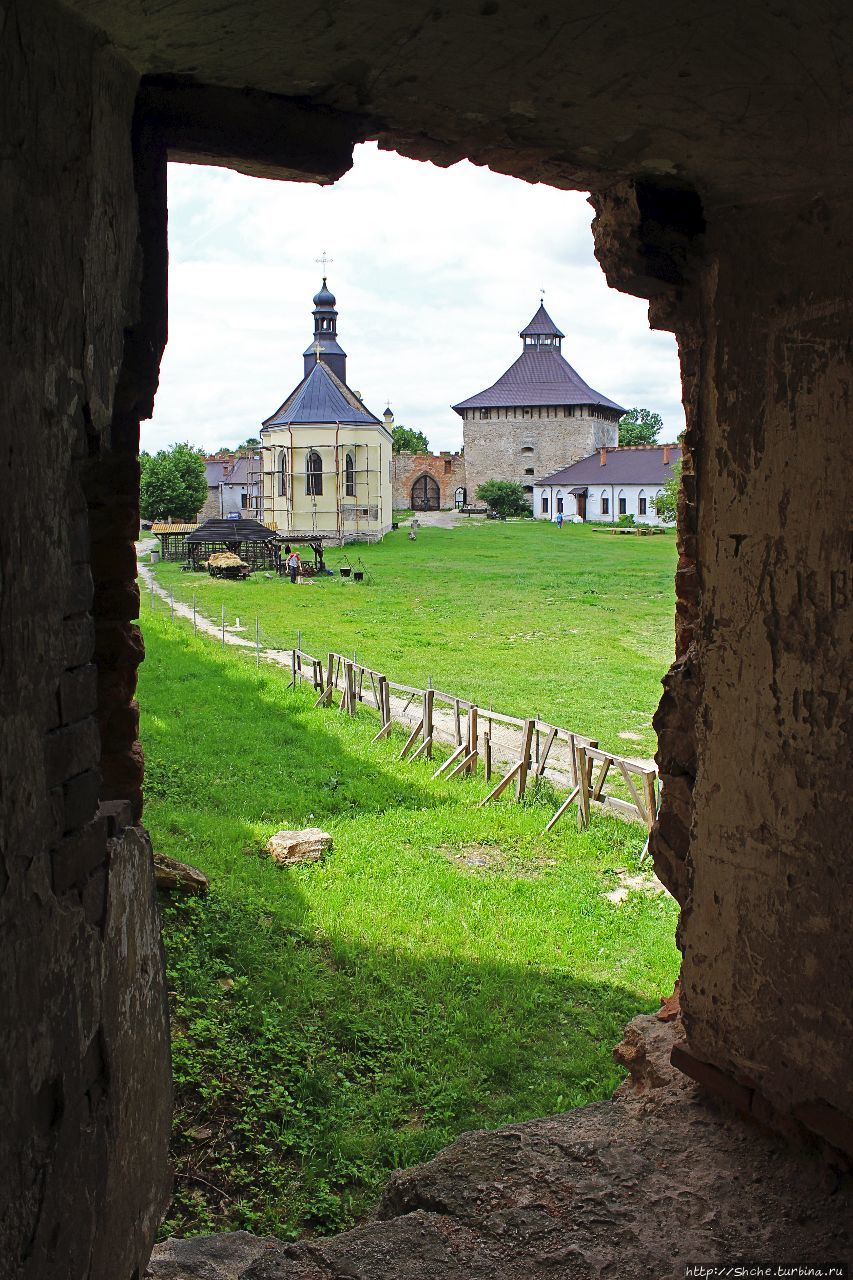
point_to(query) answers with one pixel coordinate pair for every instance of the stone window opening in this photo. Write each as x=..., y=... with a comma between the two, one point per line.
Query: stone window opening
x=528, y=471
x=448, y=466
x=314, y=475
x=282, y=474
x=623, y=505
x=349, y=476
x=605, y=504
x=527, y=448
x=641, y=504
x=544, y=504
x=485, y=414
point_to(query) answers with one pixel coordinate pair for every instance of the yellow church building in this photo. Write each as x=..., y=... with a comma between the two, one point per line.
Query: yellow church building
x=326, y=459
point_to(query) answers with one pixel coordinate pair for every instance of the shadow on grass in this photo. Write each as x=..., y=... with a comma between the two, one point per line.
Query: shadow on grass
x=225, y=740
x=308, y=1067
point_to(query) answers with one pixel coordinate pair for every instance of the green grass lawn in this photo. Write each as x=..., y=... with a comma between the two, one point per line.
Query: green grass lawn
x=575, y=626
x=446, y=968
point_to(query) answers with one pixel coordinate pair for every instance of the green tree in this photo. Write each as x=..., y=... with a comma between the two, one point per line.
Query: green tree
x=173, y=484
x=504, y=497
x=407, y=440
x=666, y=504
x=639, y=426
x=252, y=442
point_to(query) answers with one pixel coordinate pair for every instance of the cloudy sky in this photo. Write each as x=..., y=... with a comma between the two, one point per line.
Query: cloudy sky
x=434, y=270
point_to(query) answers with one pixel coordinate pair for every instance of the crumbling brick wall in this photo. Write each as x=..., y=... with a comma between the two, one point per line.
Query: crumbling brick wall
x=447, y=469
x=83, y=1023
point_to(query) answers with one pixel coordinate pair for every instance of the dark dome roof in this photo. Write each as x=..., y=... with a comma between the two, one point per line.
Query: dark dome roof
x=325, y=297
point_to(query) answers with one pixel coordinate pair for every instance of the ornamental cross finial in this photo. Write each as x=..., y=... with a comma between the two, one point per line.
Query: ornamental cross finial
x=541, y=293
x=325, y=259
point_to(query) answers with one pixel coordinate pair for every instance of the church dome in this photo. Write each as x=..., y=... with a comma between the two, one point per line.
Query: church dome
x=324, y=297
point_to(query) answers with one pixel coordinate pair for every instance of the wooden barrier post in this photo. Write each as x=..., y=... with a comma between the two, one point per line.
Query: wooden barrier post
x=487, y=756
x=473, y=734
x=526, y=744
x=384, y=700
x=457, y=728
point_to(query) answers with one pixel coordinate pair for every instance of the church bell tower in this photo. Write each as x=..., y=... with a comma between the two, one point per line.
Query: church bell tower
x=324, y=346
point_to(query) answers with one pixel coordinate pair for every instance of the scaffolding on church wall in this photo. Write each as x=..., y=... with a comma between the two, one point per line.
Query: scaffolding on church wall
x=351, y=516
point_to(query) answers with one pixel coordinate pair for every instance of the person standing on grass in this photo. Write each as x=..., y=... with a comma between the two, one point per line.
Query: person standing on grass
x=559, y=519
x=294, y=564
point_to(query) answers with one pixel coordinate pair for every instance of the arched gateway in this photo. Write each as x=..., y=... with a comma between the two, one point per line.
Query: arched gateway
x=426, y=495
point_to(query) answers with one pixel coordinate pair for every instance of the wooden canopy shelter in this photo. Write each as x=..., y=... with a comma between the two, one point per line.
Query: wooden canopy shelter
x=259, y=546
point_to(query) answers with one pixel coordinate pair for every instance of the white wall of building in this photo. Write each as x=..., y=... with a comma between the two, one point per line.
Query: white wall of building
x=604, y=503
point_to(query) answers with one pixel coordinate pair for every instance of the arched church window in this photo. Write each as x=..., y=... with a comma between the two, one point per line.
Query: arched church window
x=623, y=504
x=282, y=474
x=349, y=476
x=605, y=503
x=641, y=503
x=485, y=413
x=314, y=475
x=559, y=502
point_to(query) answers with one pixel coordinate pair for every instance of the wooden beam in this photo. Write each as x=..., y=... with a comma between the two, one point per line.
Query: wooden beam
x=502, y=785
x=543, y=757
x=464, y=764
x=424, y=749
x=411, y=739
x=449, y=761
x=526, y=744
x=562, y=809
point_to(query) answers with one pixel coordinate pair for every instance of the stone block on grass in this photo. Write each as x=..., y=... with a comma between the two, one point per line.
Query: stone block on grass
x=290, y=847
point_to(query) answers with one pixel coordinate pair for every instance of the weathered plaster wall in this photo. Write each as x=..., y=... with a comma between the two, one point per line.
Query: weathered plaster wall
x=84, y=1108
x=768, y=966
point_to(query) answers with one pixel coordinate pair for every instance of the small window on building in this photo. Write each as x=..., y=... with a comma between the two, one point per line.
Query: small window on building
x=314, y=475
x=528, y=489
x=282, y=474
x=448, y=466
x=544, y=504
x=244, y=500
x=527, y=448
x=642, y=505
x=528, y=471
x=349, y=476
x=525, y=412
x=485, y=414
x=623, y=506
x=559, y=504
x=605, y=505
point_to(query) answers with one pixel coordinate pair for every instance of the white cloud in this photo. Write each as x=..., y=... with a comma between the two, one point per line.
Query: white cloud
x=435, y=271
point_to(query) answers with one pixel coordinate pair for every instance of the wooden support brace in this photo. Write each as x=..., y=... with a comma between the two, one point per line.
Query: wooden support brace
x=487, y=756
x=605, y=769
x=562, y=809
x=502, y=785
x=442, y=768
x=464, y=765
x=428, y=708
x=641, y=809
x=543, y=755
x=411, y=739
x=424, y=749
x=583, y=787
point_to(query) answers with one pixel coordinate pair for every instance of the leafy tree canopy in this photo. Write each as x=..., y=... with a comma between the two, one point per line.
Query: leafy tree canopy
x=505, y=497
x=407, y=440
x=251, y=443
x=173, y=484
x=666, y=504
x=639, y=426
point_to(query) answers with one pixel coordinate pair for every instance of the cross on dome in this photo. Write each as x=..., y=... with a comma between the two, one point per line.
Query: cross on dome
x=325, y=260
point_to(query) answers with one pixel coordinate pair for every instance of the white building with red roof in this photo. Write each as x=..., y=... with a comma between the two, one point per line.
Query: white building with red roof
x=539, y=416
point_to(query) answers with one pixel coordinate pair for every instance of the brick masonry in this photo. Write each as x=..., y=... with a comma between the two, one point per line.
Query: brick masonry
x=447, y=469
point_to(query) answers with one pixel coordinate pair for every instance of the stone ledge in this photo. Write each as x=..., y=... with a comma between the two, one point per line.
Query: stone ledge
x=641, y=1185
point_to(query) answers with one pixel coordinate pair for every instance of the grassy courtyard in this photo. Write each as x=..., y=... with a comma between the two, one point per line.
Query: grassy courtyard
x=446, y=968
x=575, y=626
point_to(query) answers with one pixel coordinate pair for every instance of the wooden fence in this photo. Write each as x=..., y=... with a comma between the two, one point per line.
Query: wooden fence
x=531, y=748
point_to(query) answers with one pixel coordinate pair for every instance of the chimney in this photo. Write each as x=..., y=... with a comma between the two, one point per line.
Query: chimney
x=666, y=455
x=603, y=452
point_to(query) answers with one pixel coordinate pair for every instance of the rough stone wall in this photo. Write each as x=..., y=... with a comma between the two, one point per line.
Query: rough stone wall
x=754, y=725
x=407, y=467
x=497, y=448
x=85, y=1104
